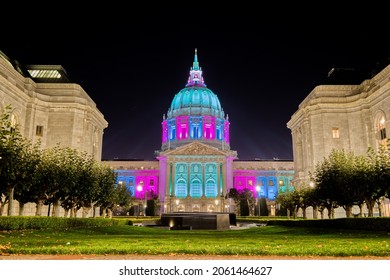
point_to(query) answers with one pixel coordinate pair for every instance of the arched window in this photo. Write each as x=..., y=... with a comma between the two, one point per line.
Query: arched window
x=211, y=188
x=181, y=188
x=13, y=122
x=196, y=188
x=380, y=129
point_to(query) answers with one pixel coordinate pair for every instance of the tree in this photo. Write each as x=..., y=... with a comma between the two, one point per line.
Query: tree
x=377, y=179
x=287, y=201
x=28, y=185
x=13, y=159
x=247, y=200
x=234, y=194
x=335, y=181
x=107, y=196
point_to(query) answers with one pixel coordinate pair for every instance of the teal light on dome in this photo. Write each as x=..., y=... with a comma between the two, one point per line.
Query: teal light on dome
x=195, y=97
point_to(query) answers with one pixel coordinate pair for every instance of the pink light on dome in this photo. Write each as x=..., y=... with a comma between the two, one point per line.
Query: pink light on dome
x=182, y=123
x=209, y=127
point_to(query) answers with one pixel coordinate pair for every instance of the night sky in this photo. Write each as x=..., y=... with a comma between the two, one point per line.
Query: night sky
x=259, y=62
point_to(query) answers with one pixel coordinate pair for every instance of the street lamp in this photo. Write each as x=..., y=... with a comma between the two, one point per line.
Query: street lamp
x=258, y=198
x=146, y=201
x=139, y=188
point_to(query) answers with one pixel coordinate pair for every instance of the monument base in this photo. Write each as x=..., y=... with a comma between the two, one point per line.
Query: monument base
x=198, y=220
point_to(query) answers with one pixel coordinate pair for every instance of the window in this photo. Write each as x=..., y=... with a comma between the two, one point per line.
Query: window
x=335, y=133
x=39, y=130
x=13, y=123
x=380, y=129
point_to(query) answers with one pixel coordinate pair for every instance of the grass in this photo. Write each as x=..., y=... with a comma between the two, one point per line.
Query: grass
x=265, y=241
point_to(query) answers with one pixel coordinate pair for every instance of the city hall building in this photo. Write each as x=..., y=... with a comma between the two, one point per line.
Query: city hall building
x=195, y=168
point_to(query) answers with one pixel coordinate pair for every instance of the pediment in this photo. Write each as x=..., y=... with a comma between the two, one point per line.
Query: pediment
x=196, y=148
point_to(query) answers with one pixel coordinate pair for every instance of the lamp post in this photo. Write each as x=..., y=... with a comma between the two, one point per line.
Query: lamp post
x=258, y=199
x=139, y=189
x=146, y=201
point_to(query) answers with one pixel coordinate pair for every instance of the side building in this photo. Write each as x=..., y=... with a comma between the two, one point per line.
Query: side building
x=350, y=112
x=50, y=109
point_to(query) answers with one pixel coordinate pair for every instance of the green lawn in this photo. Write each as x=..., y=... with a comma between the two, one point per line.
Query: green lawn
x=267, y=240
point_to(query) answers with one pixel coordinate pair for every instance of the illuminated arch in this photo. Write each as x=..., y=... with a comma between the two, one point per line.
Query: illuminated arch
x=181, y=188
x=211, y=188
x=196, y=188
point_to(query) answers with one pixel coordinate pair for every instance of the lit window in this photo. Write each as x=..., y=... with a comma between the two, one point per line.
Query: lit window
x=281, y=183
x=51, y=74
x=335, y=133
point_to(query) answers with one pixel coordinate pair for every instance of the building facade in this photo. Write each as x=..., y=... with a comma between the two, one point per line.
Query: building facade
x=195, y=167
x=193, y=171
x=350, y=117
x=49, y=108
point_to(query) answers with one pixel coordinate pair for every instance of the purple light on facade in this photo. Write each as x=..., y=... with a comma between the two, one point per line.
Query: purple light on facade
x=226, y=132
x=146, y=186
x=182, y=123
x=246, y=182
x=209, y=127
x=164, y=131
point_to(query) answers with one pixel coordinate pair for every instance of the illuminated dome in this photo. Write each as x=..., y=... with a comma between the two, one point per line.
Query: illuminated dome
x=195, y=99
x=195, y=115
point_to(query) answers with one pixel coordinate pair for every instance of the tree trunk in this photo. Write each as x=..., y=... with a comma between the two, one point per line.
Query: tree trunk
x=1, y=208
x=237, y=207
x=38, y=207
x=315, y=212
x=85, y=211
x=304, y=212
x=360, y=210
x=322, y=214
x=21, y=209
x=348, y=211
x=250, y=208
x=73, y=212
x=370, y=206
x=296, y=213
x=109, y=213
x=56, y=208
x=329, y=212
x=379, y=208
x=11, y=202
